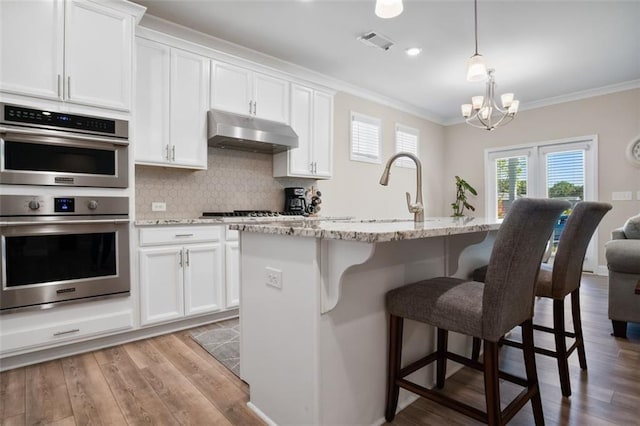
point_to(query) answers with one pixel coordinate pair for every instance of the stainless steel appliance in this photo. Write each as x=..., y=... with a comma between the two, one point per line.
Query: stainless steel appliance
x=50, y=148
x=234, y=131
x=295, y=200
x=62, y=249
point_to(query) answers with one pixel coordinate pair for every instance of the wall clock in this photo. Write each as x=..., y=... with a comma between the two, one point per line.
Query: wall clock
x=633, y=152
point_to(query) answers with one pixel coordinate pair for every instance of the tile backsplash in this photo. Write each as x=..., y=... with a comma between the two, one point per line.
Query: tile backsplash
x=234, y=180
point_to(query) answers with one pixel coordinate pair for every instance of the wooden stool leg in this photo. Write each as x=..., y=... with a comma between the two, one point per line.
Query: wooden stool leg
x=395, y=355
x=491, y=383
x=561, y=346
x=475, y=351
x=619, y=328
x=441, y=363
x=577, y=327
x=532, y=372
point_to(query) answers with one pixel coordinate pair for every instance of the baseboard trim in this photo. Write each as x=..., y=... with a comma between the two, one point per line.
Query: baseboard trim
x=602, y=270
x=260, y=414
x=37, y=356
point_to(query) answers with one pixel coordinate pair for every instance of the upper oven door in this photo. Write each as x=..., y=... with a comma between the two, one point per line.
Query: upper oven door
x=49, y=157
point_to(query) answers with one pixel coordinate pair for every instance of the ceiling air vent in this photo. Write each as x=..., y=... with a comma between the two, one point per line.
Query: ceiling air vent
x=374, y=39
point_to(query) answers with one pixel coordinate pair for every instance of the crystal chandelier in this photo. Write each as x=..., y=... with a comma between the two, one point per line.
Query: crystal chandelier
x=483, y=111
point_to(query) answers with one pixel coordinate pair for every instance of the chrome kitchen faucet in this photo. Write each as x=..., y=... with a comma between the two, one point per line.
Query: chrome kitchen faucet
x=416, y=208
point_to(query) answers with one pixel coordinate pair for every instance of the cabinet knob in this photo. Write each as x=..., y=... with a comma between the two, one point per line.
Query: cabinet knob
x=93, y=204
x=34, y=204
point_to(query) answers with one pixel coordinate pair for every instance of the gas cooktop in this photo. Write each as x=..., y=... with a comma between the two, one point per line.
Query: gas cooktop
x=250, y=213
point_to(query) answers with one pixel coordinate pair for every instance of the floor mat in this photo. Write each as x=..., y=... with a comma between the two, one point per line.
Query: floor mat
x=223, y=343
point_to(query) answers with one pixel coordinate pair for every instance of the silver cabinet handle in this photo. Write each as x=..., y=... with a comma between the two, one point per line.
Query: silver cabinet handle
x=69, y=87
x=250, y=106
x=62, y=333
x=59, y=86
x=255, y=107
x=180, y=260
x=173, y=153
x=311, y=167
x=184, y=235
x=166, y=152
x=187, y=260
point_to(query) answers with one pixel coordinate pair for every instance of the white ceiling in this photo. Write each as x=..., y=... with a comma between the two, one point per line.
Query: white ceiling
x=540, y=49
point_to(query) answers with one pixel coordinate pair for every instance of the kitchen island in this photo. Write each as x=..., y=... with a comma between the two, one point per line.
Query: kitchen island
x=312, y=312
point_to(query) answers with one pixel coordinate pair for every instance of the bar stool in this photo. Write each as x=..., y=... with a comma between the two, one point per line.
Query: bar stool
x=485, y=311
x=559, y=281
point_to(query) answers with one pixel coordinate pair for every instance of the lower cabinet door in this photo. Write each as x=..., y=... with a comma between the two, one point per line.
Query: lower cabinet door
x=202, y=278
x=161, y=284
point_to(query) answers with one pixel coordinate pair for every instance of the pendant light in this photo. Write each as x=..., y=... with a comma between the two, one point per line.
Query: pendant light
x=388, y=8
x=476, y=67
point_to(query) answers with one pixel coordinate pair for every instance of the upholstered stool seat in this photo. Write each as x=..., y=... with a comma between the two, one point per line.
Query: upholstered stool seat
x=483, y=310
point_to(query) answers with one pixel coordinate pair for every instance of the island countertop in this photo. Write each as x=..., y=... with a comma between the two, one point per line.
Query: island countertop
x=371, y=231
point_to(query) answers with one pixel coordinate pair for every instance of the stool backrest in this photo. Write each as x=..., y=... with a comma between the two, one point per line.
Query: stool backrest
x=514, y=264
x=574, y=240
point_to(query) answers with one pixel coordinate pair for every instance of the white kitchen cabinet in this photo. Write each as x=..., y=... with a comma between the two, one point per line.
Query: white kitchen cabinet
x=73, y=51
x=242, y=91
x=312, y=120
x=232, y=269
x=181, y=272
x=172, y=99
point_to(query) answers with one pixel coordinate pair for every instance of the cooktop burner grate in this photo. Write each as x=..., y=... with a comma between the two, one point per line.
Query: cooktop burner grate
x=250, y=213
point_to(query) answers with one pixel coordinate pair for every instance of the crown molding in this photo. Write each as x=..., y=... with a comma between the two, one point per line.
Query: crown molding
x=575, y=96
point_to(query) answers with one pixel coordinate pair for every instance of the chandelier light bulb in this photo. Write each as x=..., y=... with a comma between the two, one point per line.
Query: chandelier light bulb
x=507, y=99
x=466, y=110
x=477, y=101
x=485, y=112
x=513, y=108
x=476, y=68
x=388, y=8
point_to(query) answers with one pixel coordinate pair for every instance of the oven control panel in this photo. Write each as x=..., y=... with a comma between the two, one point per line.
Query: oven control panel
x=37, y=205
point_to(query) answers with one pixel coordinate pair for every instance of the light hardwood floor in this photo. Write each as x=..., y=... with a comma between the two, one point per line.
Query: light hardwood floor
x=171, y=380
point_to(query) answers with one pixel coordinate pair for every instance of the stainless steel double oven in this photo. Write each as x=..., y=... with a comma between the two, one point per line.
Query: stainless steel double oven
x=70, y=248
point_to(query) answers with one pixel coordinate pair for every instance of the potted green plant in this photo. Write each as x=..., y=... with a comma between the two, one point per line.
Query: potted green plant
x=461, y=203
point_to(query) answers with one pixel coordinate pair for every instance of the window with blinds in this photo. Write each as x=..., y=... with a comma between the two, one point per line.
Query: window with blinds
x=406, y=141
x=365, y=138
x=565, y=175
x=511, y=182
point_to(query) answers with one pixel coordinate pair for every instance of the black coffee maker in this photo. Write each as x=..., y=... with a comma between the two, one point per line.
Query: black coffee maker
x=294, y=200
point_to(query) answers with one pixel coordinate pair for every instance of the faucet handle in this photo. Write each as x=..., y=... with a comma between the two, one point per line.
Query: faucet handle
x=413, y=208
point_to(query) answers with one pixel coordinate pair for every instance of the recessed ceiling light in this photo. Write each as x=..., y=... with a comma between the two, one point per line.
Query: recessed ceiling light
x=413, y=51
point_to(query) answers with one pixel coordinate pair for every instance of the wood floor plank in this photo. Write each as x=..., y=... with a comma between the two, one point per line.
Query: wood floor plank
x=12, y=393
x=139, y=403
x=68, y=421
x=144, y=354
x=207, y=377
x=19, y=420
x=91, y=397
x=182, y=398
x=47, y=399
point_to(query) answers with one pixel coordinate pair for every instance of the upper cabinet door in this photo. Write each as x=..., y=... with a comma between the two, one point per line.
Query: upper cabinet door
x=322, y=134
x=231, y=88
x=271, y=98
x=151, y=139
x=98, y=55
x=189, y=105
x=301, y=122
x=31, y=42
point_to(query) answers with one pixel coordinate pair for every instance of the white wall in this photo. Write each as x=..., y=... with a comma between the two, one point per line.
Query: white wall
x=615, y=118
x=355, y=189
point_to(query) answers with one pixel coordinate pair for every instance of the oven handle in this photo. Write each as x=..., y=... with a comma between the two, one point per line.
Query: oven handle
x=4, y=131
x=63, y=222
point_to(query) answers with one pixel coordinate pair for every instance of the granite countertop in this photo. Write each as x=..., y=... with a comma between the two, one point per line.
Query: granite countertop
x=371, y=231
x=233, y=220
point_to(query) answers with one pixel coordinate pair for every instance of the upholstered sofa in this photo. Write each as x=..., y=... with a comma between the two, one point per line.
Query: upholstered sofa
x=623, y=261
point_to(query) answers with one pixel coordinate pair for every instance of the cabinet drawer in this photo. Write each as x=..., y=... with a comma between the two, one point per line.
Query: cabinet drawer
x=63, y=332
x=179, y=235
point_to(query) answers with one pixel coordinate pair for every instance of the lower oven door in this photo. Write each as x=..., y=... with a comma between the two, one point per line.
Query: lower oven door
x=47, y=263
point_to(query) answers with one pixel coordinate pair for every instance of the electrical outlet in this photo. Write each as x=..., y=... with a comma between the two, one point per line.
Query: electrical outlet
x=273, y=277
x=157, y=206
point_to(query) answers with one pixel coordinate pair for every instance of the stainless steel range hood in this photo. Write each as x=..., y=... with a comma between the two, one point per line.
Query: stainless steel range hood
x=233, y=131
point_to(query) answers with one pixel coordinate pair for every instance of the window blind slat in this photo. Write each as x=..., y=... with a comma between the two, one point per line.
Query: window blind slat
x=406, y=141
x=365, y=138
